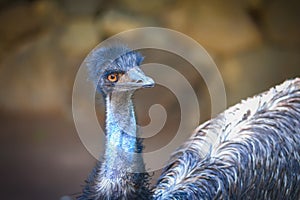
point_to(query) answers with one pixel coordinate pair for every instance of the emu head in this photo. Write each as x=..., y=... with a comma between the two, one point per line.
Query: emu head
x=117, y=69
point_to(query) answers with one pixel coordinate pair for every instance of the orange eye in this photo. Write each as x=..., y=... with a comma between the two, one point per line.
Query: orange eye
x=113, y=77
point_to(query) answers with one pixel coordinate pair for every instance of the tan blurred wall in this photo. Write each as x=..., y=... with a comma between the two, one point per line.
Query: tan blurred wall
x=255, y=43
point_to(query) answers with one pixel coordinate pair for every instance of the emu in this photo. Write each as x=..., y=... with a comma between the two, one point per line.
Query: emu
x=250, y=151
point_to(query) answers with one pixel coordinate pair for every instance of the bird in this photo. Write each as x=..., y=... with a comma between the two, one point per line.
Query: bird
x=250, y=151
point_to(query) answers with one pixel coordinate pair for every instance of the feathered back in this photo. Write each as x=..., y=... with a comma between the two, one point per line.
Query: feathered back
x=250, y=151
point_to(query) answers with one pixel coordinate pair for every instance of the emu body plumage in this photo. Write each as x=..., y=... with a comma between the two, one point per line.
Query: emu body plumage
x=250, y=151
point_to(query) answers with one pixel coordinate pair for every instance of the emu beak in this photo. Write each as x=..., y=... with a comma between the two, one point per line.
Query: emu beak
x=135, y=78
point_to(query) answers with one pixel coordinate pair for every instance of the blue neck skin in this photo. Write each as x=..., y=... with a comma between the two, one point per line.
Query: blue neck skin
x=121, y=142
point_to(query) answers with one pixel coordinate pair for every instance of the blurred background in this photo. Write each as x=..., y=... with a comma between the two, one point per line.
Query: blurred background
x=255, y=44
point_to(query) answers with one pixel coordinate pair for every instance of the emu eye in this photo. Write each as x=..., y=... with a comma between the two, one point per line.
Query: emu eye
x=113, y=77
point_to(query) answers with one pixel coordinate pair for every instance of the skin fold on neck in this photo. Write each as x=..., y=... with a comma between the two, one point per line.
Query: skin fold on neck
x=122, y=151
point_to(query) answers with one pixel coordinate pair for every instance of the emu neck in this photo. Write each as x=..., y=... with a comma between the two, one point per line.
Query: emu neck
x=121, y=142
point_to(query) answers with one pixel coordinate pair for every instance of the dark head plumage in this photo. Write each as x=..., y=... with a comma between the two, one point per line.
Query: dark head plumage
x=107, y=66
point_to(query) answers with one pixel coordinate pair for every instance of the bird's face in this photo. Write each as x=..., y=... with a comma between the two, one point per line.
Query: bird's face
x=128, y=80
x=117, y=69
